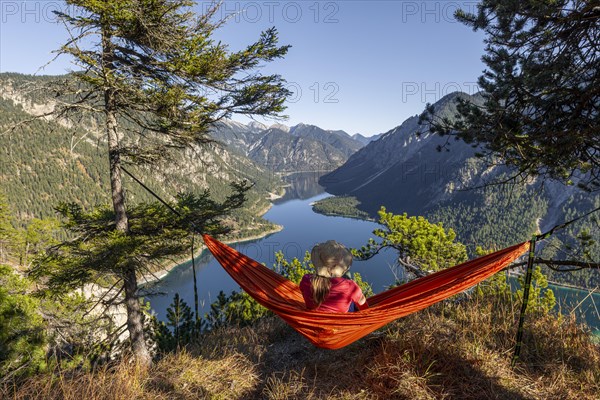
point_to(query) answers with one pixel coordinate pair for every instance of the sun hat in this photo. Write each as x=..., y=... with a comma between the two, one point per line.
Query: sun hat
x=331, y=259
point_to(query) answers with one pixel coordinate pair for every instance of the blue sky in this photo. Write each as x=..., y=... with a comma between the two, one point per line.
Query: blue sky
x=360, y=66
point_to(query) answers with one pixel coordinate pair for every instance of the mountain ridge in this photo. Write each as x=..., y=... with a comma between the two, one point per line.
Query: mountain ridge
x=405, y=171
x=49, y=161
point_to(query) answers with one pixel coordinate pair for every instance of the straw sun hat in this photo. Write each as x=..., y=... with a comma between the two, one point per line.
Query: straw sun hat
x=331, y=259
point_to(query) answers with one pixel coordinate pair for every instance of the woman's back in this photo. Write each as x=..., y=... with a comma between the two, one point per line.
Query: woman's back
x=339, y=299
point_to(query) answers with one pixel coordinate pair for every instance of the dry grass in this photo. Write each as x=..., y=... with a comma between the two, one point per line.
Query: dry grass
x=464, y=352
x=182, y=376
x=122, y=381
x=177, y=376
x=450, y=351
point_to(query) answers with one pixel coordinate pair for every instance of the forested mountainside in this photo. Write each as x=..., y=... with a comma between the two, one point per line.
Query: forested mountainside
x=46, y=161
x=339, y=139
x=443, y=180
x=403, y=167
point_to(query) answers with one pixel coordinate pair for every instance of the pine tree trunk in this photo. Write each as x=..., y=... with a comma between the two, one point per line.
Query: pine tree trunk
x=116, y=186
x=135, y=321
x=132, y=304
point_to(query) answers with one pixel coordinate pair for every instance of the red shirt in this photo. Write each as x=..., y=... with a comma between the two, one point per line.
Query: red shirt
x=342, y=293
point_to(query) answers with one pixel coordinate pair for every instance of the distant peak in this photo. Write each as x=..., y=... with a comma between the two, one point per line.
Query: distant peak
x=281, y=127
x=257, y=125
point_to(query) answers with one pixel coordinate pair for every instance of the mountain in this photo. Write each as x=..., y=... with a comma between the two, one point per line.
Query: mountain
x=48, y=161
x=281, y=151
x=365, y=140
x=338, y=139
x=281, y=127
x=412, y=172
x=237, y=136
x=255, y=125
x=401, y=166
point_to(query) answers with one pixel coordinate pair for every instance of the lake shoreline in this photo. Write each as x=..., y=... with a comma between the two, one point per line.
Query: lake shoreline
x=157, y=276
x=554, y=283
x=331, y=214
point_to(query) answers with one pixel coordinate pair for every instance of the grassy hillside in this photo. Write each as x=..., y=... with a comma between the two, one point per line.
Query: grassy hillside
x=455, y=350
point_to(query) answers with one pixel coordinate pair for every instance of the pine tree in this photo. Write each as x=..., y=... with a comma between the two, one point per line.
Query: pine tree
x=153, y=77
x=34, y=238
x=97, y=253
x=421, y=245
x=161, y=335
x=540, y=88
x=22, y=329
x=6, y=229
x=181, y=319
x=217, y=315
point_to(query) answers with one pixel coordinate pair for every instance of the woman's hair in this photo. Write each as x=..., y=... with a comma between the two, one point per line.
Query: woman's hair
x=331, y=260
x=320, y=289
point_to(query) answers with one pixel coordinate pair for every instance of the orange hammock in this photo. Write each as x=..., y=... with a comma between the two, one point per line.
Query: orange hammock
x=336, y=330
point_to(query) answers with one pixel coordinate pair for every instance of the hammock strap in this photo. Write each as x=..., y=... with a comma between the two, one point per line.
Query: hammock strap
x=197, y=322
x=151, y=192
x=528, y=277
x=564, y=224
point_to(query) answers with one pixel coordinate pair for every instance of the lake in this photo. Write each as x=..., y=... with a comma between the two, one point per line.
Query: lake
x=303, y=228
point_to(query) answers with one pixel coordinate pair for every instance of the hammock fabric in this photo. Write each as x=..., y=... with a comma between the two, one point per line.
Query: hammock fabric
x=336, y=330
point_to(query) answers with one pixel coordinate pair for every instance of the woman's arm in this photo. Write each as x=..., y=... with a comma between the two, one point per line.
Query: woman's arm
x=363, y=300
x=358, y=297
x=362, y=303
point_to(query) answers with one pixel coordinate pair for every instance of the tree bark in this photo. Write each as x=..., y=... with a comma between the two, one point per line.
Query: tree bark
x=135, y=321
x=116, y=186
x=134, y=313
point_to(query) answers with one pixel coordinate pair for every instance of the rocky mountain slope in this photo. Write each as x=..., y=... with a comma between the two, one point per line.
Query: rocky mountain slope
x=288, y=149
x=365, y=140
x=404, y=167
x=405, y=172
x=286, y=152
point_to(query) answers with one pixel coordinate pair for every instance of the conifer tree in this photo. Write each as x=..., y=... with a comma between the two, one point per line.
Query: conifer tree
x=421, y=245
x=22, y=329
x=96, y=253
x=151, y=75
x=181, y=319
x=6, y=229
x=541, y=91
x=34, y=238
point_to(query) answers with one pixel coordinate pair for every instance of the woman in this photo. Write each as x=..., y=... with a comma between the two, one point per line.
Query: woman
x=326, y=290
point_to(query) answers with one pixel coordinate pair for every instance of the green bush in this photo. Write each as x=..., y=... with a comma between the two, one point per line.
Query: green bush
x=22, y=328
